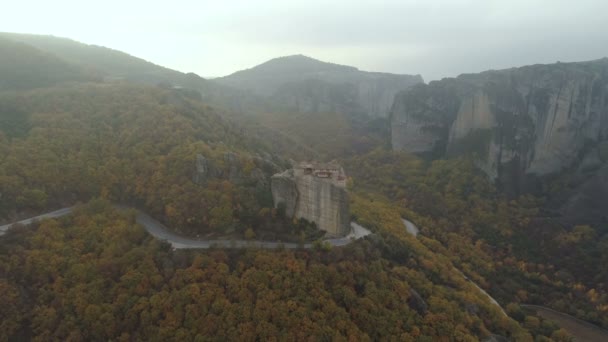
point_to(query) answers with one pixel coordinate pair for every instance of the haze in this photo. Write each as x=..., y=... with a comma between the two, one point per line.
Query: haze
x=435, y=39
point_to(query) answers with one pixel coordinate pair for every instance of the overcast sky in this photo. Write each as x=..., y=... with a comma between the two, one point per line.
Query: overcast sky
x=433, y=38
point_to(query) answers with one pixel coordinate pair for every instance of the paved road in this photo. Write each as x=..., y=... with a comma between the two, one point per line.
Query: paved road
x=412, y=229
x=52, y=214
x=579, y=329
x=161, y=232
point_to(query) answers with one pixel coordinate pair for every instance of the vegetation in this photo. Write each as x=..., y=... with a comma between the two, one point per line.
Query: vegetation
x=318, y=136
x=504, y=245
x=24, y=67
x=96, y=275
x=135, y=145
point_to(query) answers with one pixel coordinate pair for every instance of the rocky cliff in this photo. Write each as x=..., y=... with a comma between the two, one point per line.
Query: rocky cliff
x=316, y=199
x=304, y=84
x=536, y=120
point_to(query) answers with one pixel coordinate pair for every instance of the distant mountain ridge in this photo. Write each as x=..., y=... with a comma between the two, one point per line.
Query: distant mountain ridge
x=305, y=84
x=520, y=124
x=103, y=60
x=112, y=65
x=25, y=67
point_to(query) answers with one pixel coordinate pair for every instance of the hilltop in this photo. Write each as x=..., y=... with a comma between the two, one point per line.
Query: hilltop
x=305, y=84
x=25, y=67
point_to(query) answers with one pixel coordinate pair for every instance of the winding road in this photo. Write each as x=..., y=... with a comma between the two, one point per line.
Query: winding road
x=413, y=229
x=52, y=214
x=161, y=232
x=579, y=329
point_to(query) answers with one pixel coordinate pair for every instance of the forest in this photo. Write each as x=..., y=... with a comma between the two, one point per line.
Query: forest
x=96, y=275
x=69, y=138
x=66, y=144
x=507, y=245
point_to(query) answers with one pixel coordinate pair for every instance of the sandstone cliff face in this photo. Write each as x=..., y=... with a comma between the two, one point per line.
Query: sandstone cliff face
x=530, y=120
x=315, y=199
x=304, y=84
x=285, y=191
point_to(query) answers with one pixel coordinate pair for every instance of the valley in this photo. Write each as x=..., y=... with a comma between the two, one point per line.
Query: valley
x=280, y=201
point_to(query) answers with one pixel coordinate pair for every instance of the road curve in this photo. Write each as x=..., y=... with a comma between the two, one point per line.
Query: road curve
x=161, y=232
x=412, y=229
x=579, y=329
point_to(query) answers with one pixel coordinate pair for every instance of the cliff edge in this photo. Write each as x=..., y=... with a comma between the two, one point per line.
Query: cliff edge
x=315, y=192
x=536, y=119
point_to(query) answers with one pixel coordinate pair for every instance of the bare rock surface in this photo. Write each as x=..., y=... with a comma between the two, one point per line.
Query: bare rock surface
x=531, y=120
x=316, y=193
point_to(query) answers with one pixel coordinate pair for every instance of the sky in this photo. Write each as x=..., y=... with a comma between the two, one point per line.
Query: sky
x=436, y=39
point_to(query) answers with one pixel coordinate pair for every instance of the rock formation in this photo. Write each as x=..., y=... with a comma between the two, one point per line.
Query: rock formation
x=304, y=84
x=315, y=192
x=531, y=120
x=232, y=168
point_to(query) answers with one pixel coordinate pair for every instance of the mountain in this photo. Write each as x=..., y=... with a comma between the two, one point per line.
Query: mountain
x=534, y=120
x=97, y=275
x=143, y=141
x=24, y=67
x=305, y=84
x=110, y=63
x=113, y=65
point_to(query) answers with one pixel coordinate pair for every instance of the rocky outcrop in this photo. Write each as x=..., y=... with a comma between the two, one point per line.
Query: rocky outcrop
x=203, y=169
x=285, y=191
x=231, y=167
x=303, y=84
x=530, y=120
x=316, y=197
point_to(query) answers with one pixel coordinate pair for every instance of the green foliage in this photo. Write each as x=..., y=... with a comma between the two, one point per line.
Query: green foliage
x=321, y=136
x=130, y=144
x=24, y=67
x=502, y=244
x=13, y=122
x=32, y=198
x=96, y=275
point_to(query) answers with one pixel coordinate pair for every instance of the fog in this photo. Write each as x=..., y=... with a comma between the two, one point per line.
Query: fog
x=433, y=38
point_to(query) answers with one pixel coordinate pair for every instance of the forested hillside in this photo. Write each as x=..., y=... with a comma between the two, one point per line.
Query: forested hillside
x=510, y=247
x=25, y=67
x=130, y=144
x=96, y=275
x=75, y=129
x=99, y=59
x=112, y=65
